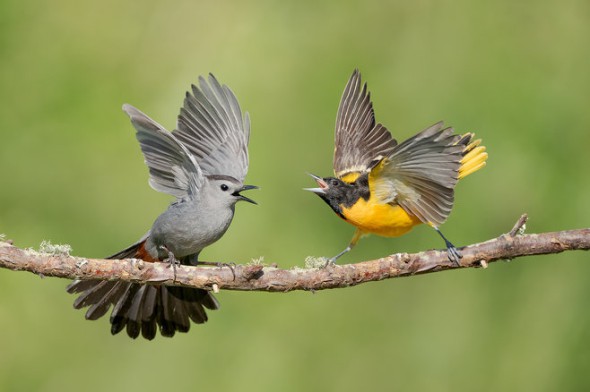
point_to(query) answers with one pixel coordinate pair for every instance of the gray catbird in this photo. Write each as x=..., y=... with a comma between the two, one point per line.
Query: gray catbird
x=203, y=164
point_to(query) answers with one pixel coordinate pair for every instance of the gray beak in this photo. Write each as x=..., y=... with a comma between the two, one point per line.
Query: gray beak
x=323, y=186
x=245, y=188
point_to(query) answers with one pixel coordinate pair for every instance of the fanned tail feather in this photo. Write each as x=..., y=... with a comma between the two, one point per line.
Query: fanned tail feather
x=140, y=309
x=474, y=155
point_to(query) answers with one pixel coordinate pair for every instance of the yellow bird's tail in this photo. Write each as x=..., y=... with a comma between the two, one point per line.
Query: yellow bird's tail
x=474, y=155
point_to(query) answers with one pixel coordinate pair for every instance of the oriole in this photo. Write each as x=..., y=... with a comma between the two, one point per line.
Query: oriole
x=386, y=188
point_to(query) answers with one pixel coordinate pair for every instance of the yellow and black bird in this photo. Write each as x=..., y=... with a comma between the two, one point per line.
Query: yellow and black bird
x=386, y=188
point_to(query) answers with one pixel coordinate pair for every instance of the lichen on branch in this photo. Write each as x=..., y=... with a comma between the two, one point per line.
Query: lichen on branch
x=258, y=277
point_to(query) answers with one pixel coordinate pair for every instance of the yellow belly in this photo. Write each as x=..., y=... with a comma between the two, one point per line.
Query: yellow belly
x=382, y=219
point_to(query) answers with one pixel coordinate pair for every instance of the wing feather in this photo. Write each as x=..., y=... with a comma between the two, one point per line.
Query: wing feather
x=211, y=125
x=421, y=173
x=173, y=169
x=358, y=140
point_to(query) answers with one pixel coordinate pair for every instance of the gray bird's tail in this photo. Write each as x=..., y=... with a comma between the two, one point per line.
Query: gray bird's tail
x=142, y=308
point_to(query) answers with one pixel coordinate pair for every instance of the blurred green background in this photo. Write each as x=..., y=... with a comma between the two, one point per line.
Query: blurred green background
x=517, y=73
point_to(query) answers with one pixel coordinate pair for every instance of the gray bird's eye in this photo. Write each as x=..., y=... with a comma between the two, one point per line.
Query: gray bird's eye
x=224, y=187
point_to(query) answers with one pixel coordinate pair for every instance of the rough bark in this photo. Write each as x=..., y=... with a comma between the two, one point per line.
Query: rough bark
x=257, y=277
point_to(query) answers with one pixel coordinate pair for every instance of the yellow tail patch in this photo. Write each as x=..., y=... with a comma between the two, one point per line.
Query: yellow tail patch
x=474, y=158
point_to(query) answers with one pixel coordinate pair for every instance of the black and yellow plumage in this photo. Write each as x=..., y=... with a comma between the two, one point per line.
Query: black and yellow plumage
x=386, y=188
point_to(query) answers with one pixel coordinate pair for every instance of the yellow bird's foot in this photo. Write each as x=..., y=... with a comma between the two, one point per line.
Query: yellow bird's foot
x=454, y=255
x=332, y=260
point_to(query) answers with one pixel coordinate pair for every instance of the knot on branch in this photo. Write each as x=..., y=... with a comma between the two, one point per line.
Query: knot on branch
x=252, y=271
x=255, y=277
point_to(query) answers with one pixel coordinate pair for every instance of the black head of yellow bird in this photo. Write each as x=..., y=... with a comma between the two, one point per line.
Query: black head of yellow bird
x=384, y=187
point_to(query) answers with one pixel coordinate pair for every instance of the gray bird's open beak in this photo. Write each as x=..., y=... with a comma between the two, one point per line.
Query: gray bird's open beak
x=245, y=188
x=323, y=185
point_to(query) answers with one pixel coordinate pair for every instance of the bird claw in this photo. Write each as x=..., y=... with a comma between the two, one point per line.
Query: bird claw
x=454, y=255
x=171, y=260
x=330, y=261
x=231, y=266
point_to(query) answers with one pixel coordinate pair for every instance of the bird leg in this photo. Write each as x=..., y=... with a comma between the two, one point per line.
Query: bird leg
x=454, y=255
x=231, y=266
x=171, y=260
x=355, y=238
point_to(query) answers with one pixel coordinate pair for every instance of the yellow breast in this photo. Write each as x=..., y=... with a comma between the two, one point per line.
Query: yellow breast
x=382, y=219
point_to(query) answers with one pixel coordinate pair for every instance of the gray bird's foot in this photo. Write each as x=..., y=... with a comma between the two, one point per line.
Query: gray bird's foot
x=171, y=260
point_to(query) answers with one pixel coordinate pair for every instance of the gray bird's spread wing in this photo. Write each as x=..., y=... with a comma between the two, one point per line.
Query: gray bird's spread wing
x=358, y=140
x=173, y=169
x=421, y=173
x=211, y=126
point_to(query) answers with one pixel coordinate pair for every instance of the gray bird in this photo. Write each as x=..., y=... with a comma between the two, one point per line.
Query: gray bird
x=202, y=164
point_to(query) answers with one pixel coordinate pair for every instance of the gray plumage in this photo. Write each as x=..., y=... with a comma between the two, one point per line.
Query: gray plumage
x=221, y=145
x=173, y=169
x=202, y=164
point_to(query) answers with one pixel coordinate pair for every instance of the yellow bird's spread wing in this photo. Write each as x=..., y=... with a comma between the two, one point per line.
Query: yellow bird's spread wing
x=358, y=140
x=421, y=173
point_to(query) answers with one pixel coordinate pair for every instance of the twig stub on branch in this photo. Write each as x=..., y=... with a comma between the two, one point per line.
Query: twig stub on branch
x=256, y=277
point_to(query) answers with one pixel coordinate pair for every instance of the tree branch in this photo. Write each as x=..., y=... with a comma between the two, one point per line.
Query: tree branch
x=257, y=277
